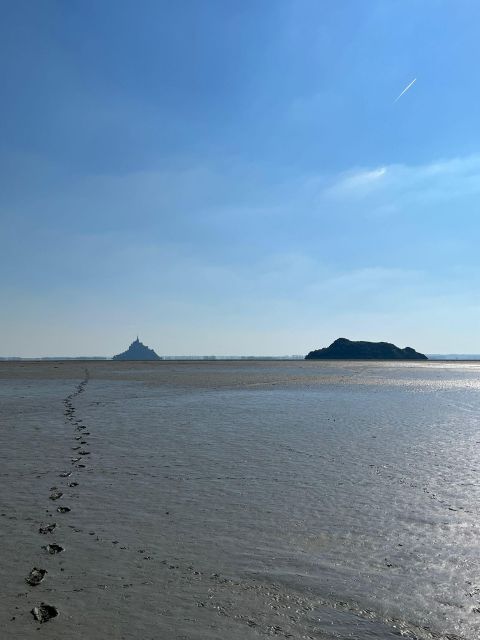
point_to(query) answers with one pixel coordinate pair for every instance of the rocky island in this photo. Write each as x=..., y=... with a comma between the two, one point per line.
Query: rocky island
x=137, y=351
x=343, y=349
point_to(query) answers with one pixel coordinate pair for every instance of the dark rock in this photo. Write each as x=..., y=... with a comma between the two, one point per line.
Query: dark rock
x=343, y=349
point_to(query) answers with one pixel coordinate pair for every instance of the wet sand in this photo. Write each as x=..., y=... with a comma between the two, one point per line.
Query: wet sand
x=130, y=514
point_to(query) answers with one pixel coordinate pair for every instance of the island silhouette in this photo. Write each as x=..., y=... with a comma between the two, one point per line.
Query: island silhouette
x=344, y=349
x=137, y=351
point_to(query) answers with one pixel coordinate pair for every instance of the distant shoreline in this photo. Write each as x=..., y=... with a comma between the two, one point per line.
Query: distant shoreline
x=431, y=358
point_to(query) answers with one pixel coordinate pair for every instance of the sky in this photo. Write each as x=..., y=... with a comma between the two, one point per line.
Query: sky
x=237, y=177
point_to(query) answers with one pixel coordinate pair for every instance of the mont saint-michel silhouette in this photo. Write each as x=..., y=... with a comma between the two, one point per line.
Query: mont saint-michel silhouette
x=137, y=351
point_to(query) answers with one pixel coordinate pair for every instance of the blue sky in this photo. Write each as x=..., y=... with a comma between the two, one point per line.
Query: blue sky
x=236, y=178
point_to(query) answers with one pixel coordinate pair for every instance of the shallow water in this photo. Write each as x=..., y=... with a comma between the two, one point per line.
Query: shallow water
x=242, y=499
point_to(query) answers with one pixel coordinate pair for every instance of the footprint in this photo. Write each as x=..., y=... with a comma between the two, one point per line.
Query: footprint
x=53, y=548
x=74, y=459
x=44, y=612
x=48, y=528
x=55, y=495
x=35, y=576
x=63, y=509
x=73, y=484
x=65, y=475
x=84, y=453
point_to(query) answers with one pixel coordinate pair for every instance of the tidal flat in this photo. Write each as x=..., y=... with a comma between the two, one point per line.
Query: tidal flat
x=242, y=499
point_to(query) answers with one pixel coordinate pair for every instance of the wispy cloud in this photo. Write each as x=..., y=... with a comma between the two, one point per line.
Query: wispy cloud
x=357, y=182
x=441, y=180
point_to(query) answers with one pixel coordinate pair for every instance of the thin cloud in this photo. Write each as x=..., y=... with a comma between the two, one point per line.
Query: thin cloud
x=439, y=181
x=356, y=182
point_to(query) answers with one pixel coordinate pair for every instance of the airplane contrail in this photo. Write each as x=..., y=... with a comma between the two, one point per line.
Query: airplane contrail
x=405, y=90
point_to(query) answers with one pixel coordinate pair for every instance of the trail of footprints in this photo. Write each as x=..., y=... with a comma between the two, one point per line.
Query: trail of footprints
x=44, y=612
